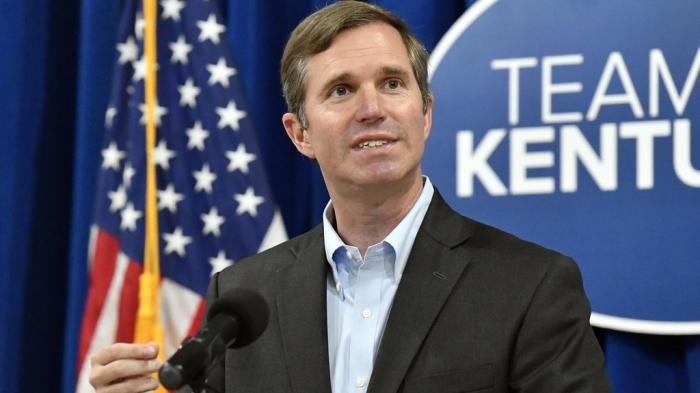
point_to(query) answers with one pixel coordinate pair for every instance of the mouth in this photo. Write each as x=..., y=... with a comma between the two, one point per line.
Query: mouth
x=372, y=144
x=373, y=141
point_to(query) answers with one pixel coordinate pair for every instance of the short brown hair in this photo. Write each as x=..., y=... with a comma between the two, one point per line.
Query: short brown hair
x=316, y=34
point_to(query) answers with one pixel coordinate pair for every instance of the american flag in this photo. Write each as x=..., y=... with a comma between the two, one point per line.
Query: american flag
x=214, y=202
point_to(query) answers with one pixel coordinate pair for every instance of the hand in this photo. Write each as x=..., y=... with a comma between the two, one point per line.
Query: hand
x=125, y=368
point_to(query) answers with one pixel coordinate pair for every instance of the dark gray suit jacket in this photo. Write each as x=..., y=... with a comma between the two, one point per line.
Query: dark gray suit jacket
x=477, y=310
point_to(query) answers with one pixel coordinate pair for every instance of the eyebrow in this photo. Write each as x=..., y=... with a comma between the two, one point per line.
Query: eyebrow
x=394, y=71
x=383, y=71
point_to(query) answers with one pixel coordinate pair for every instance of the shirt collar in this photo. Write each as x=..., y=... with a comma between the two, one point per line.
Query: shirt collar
x=401, y=238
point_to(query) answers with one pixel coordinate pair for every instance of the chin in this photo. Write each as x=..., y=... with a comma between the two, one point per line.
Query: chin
x=384, y=175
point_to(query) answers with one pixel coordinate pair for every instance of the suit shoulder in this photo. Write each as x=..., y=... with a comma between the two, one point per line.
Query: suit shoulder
x=513, y=265
x=510, y=252
x=482, y=242
x=269, y=261
x=488, y=237
x=451, y=228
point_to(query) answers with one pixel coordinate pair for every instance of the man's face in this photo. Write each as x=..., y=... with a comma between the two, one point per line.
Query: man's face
x=363, y=106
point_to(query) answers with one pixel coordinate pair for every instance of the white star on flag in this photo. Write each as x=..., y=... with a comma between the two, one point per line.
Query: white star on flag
x=239, y=159
x=205, y=177
x=158, y=111
x=128, y=51
x=111, y=156
x=229, y=116
x=139, y=69
x=139, y=25
x=248, y=202
x=180, y=49
x=171, y=9
x=212, y=222
x=162, y=156
x=109, y=116
x=117, y=199
x=168, y=199
x=220, y=72
x=129, y=173
x=219, y=263
x=176, y=242
x=188, y=93
x=196, y=136
x=129, y=217
x=210, y=29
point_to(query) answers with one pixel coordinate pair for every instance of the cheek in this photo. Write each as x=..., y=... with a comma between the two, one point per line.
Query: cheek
x=327, y=134
x=323, y=145
x=419, y=127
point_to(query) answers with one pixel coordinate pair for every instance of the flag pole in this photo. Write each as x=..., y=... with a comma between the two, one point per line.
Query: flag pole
x=148, y=326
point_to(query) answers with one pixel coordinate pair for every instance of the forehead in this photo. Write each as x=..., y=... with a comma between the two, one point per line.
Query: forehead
x=365, y=48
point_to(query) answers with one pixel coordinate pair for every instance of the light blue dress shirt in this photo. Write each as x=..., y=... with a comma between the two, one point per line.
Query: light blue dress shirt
x=360, y=293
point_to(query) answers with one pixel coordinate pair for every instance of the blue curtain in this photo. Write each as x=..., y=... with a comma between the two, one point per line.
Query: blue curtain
x=54, y=80
x=38, y=45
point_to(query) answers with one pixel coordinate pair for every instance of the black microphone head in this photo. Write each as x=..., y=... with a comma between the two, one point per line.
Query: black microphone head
x=247, y=305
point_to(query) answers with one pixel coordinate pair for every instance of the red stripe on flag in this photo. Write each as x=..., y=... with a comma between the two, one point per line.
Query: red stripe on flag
x=197, y=319
x=129, y=303
x=101, y=272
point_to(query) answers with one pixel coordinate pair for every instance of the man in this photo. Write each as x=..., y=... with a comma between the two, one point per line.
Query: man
x=395, y=292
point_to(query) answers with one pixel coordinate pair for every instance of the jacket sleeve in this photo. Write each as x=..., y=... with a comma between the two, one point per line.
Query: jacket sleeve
x=556, y=349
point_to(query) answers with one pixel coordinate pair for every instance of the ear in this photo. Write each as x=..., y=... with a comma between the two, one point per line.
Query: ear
x=428, y=117
x=298, y=135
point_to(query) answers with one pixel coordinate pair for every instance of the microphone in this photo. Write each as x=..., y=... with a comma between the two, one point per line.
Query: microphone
x=235, y=320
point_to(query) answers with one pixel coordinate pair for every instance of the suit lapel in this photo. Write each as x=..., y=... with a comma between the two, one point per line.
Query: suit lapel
x=431, y=272
x=301, y=307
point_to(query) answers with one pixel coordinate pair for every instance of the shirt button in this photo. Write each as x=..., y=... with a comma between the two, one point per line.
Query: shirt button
x=348, y=254
x=366, y=313
x=360, y=382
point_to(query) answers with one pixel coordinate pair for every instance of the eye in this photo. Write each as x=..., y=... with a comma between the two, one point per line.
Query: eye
x=339, y=91
x=393, y=84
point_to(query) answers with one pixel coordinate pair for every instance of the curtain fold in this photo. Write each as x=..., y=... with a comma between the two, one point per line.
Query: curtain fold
x=98, y=21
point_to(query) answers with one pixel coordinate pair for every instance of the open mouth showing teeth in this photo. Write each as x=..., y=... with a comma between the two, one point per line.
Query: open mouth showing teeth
x=371, y=144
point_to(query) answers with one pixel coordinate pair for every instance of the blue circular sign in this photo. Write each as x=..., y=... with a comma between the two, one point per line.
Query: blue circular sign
x=577, y=125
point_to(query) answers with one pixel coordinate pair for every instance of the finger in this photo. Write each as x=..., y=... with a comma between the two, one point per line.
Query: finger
x=122, y=369
x=124, y=351
x=131, y=385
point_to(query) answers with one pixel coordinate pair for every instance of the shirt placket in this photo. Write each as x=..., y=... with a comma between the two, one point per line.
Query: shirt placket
x=367, y=291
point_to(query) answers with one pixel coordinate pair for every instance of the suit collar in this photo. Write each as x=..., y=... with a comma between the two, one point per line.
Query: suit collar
x=400, y=238
x=444, y=225
x=432, y=271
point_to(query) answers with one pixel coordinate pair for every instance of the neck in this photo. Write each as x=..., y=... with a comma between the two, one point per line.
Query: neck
x=367, y=217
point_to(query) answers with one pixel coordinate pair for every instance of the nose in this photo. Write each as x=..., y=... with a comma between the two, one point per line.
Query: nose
x=370, y=108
